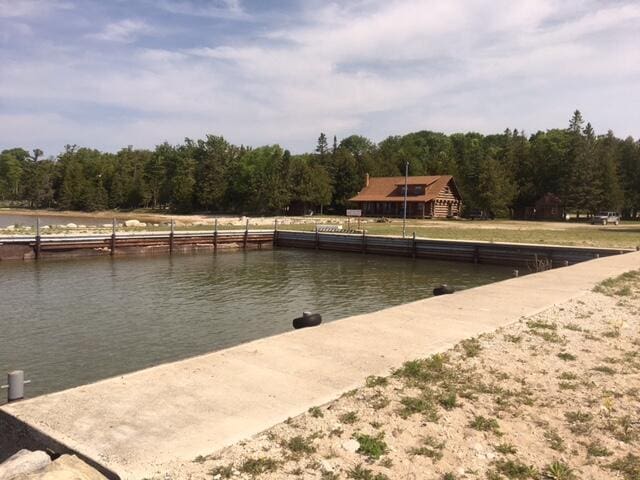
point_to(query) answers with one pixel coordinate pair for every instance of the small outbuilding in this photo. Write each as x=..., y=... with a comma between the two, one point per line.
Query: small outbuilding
x=435, y=196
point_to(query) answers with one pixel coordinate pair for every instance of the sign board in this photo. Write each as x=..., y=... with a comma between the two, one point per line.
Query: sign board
x=354, y=213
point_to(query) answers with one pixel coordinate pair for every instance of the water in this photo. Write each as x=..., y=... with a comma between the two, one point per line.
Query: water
x=7, y=220
x=70, y=322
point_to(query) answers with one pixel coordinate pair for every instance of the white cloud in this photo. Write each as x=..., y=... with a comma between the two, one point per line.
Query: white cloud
x=371, y=67
x=229, y=9
x=124, y=31
x=29, y=8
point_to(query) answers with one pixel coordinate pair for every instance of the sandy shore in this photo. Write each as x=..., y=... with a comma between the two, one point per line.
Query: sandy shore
x=554, y=396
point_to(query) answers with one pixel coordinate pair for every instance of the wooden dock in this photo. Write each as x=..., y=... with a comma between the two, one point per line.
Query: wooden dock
x=510, y=254
x=32, y=248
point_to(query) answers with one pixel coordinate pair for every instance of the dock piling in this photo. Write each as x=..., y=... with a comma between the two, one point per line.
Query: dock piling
x=38, y=238
x=215, y=235
x=171, y=235
x=15, y=385
x=246, y=233
x=112, y=251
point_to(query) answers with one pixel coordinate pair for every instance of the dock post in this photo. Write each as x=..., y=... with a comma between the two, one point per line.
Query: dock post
x=15, y=385
x=246, y=233
x=215, y=236
x=476, y=254
x=516, y=273
x=414, y=246
x=275, y=232
x=38, y=239
x=565, y=263
x=113, y=237
x=364, y=241
x=171, y=238
x=317, y=238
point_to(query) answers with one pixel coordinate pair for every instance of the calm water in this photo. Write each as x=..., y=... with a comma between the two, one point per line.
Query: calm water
x=71, y=322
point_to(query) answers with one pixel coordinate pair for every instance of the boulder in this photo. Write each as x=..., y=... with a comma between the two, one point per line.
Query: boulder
x=10, y=228
x=71, y=225
x=23, y=463
x=66, y=467
x=132, y=223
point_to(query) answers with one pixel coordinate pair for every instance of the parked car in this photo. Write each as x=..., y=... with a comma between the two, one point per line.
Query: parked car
x=604, y=218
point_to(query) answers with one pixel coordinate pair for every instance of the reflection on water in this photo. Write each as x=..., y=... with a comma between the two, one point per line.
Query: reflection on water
x=71, y=322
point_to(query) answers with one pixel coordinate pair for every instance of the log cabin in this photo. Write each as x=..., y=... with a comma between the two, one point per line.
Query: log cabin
x=435, y=196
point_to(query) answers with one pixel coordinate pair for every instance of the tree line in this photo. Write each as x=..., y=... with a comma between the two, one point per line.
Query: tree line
x=498, y=173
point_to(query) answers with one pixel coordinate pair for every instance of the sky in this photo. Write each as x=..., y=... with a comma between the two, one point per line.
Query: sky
x=108, y=74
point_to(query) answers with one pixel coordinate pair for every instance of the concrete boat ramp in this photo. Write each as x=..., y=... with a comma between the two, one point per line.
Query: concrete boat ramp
x=133, y=424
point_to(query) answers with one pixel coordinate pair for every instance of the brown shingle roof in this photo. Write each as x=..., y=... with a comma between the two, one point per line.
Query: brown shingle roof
x=385, y=189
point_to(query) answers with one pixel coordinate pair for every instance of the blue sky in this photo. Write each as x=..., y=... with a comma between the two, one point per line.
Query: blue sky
x=112, y=73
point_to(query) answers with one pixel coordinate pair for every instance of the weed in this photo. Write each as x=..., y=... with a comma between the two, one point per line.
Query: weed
x=373, y=381
x=628, y=466
x=200, y=459
x=299, y=446
x=541, y=324
x=329, y=475
x=568, y=376
x=386, y=462
x=573, y=327
x=448, y=400
x=379, y=401
x=430, y=369
x=596, y=449
x=579, y=422
x=555, y=440
x=376, y=425
x=430, y=448
x=513, y=338
x=348, y=418
x=515, y=469
x=614, y=333
x=448, y=476
x=506, y=448
x=224, y=471
x=559, y=471
x=549, y=336
x=567, y=386
x=372, y=447
x=567, y=357
x=604, y=369
x=256, y=466
x=316, y=412
x=423, y=404
x=485, y=424
x=336, y=432
x=360, y=473
x=471, y=347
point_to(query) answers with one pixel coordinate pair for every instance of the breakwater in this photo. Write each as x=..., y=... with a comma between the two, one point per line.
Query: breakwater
x=509, y=254
x=36, y=247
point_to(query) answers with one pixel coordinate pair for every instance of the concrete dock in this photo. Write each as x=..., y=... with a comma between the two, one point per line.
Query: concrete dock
x=135, y=423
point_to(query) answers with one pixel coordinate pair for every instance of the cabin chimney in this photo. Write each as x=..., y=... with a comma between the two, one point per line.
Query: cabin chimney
x=366, y=179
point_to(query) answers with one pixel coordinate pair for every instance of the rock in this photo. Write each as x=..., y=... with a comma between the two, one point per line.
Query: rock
x=66, y=467
x=71, y=225
x=10, y=228
x=45, y=227
x=106, y=225
x=132, y=223
x=351, y=445
x=23, y=463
